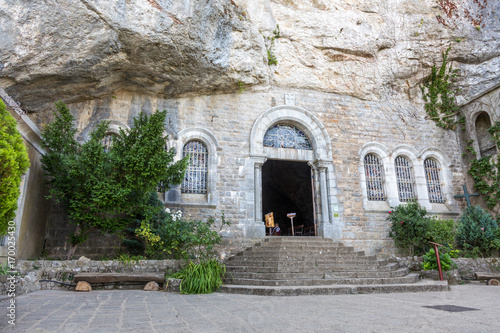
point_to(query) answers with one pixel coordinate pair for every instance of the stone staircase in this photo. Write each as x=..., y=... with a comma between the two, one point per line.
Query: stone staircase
x=287, y=266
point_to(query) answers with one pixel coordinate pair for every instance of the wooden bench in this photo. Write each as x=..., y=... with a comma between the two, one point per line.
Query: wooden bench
x=490, y=278
x=118, y=277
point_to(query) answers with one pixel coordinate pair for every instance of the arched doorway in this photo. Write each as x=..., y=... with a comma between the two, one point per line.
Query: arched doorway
x=317, y=157
x=287, y=188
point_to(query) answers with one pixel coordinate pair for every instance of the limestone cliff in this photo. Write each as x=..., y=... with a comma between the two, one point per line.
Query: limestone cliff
x=76, y=50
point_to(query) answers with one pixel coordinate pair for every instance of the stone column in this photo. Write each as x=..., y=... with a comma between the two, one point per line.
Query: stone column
x=257, y=228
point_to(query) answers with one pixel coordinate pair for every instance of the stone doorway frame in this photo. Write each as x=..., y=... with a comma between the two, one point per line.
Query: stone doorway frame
x=319, y=159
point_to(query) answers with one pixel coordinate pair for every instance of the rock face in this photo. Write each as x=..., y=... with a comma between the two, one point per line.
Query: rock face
x=80, y=50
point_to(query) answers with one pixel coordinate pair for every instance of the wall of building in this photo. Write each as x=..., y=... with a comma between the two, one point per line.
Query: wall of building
x=350, y=124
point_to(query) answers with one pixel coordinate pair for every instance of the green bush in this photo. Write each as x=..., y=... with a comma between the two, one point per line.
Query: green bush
x=203, y=278
x=412, y=229
x=409, y=228
x=13, y=163
x=430, y=261
x=168, y=235
x=476, y=232
x=441, y=231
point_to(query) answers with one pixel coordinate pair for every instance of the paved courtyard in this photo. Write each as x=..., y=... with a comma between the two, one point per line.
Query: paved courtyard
x=140, y=311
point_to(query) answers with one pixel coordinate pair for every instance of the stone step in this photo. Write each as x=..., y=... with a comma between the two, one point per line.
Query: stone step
x=426, y=285
x=302, y=257
x=315, y=275
x=410, y=278
x=309, y=263
x=307, y=267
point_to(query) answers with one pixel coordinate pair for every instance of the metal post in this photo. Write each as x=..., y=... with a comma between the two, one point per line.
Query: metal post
x=438, y=260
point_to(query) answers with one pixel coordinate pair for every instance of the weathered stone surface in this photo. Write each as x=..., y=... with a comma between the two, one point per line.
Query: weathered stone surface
x=76, y=50
x=493, y=282
x=151, y=286
x=117, y=277
x=83, y=286
x=173, y=285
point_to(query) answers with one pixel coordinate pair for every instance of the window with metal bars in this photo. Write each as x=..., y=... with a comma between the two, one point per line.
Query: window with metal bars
x=433, y=178
x=107, y=141
x=404, y=179
x=374, y=178
x=195, y=179
x=286, y=136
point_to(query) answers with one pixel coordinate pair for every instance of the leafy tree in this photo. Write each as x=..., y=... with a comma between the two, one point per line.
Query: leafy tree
x=13, y=163
x=103, y=189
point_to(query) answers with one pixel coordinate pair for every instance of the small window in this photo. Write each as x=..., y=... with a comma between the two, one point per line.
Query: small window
x=286, y=136
x=432, y=176
x=107, y=141
x=374, y=178
x=195, y=180
x=404, y=179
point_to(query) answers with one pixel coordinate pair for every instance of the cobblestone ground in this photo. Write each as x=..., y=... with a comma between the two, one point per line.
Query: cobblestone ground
x=140, y=311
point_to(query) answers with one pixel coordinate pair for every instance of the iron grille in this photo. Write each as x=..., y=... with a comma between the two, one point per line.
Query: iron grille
x=286, y=136
x=195, y=180
x=107, y=141
x=404, y=179
x=432, y=176
x=374, y=178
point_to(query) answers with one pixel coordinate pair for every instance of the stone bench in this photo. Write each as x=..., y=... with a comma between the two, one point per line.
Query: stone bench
x=490, y=278
x=103, y=278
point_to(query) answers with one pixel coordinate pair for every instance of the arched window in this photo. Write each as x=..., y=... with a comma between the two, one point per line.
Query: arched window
x=107, y=141
x=404, y=179
x=195, y=180
x=433, y=178
x=286, y=136
x=374, y=178
x=484, y=140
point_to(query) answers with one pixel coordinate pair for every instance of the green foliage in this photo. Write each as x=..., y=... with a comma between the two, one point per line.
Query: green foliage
x=128, y=260
x=409, y=227
x=103, y=189
x=203, y=278
x=170, y=236
x=5, y=269
x=484, y=172
x=476, y=232
x=430, y=261
x=412, y=229
x=271, y=57
x=439, y=96
x=13, y=163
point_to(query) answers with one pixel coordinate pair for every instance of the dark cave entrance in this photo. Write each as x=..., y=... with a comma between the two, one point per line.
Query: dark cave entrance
x=286, y=188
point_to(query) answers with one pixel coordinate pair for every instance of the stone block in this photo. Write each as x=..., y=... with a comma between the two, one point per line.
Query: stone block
x=83, y=286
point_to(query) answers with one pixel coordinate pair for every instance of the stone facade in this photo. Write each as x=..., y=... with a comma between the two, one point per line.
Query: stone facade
x=340, y=128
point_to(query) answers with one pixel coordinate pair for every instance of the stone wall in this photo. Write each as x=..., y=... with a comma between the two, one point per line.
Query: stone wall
x=32, y=273
x=350, y=123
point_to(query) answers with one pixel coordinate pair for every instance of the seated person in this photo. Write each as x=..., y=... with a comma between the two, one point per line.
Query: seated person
x=276, y=230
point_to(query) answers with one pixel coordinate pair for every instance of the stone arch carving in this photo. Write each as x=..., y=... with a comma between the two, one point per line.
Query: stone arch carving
x=485, y=144
x=115, y=126
x=296, y=116
x=319, y=158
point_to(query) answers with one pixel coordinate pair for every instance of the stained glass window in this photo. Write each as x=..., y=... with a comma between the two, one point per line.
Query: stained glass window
x=374, y=178
x=404, y=179
x=432, y=176
x=195, y=180
x=107, y=141
x=286, y=136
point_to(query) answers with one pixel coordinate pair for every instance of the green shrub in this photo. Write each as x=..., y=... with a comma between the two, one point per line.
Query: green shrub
x=203, y=278
x=441, y=231
x=476, y=232
x=13, y=163
x=430, y=261
x=409, y=228
x=412, y=229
